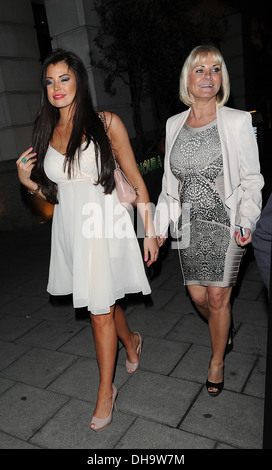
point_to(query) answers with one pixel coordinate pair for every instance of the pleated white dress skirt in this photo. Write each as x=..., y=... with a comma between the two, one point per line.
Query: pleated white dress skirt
x=95, y=254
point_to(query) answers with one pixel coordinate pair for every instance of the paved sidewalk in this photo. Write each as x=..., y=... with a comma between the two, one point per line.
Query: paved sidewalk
x=49, y=375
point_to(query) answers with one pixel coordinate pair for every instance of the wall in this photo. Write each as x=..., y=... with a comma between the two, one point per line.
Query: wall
x=19, y=76
x=19, y=102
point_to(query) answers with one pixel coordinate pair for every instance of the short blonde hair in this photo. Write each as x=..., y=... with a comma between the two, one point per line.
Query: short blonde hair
x=194, y=56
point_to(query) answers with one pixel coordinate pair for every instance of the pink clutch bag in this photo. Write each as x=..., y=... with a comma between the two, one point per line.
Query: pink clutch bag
x=127, y=194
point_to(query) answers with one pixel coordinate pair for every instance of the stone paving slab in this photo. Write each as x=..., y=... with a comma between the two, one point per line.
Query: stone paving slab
x=82, y=344
x=238, y=368
x=49, y=375
x=161, y=297
x=179, y=303
x=10, y=352
x=5, y=384
x=146, y=434
x=145, y=394
x=250, y=311
x=61, y=313
x=80, y=380
x=194, y=366
x=34, y=286
x=49, y=334
x=250, y=290
x=6, y=298
x=38, y=367
x=159, y=355
x=12, y=328
x=231, y=418
x=251, y=339
x=255, y=385
x=23, y=306
x=10, y=442
x=69, y=428
x=24, y=409
x=191, y=328
x=152, y=322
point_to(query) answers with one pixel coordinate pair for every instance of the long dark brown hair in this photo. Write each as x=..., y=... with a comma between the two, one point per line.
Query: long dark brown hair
x=87, y=126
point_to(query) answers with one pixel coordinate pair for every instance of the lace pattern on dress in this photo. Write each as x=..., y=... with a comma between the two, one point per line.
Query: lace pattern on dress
x=196, y=161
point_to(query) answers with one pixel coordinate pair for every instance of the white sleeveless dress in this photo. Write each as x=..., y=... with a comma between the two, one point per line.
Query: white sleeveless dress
x=95, y=254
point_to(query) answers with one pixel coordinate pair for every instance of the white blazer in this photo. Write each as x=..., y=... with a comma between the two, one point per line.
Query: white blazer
x=241, y=170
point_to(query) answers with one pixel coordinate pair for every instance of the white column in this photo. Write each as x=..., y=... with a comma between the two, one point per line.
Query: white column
x=74, y=28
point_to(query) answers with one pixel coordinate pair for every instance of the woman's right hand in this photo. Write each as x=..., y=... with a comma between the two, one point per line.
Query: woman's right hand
x=25, y=164
x=161, y=240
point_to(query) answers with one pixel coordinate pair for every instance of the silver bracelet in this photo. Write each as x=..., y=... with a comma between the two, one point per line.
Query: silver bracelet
x=150, y=236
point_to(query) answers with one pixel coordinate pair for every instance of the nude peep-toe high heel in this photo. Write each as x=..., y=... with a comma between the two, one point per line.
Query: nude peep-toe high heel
x=132, y=367
x=100, y=424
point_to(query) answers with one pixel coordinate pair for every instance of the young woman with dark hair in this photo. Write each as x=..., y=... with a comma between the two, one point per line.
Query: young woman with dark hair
x=84, y=122
x=94, y=251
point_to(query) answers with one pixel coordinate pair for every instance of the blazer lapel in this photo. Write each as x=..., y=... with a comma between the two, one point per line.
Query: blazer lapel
x=172, y=182
x=229, y=152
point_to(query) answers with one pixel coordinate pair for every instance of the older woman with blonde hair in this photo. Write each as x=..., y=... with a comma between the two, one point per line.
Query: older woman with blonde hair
x=211, y=170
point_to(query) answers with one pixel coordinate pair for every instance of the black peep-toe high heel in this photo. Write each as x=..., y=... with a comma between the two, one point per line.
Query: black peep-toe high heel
x=214, y=389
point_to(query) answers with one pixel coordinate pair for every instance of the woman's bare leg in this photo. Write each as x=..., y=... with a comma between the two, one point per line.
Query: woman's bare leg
x=105, y=336
x=214, y=304
x=219, y=327
x=106, y=329
x=129, y=339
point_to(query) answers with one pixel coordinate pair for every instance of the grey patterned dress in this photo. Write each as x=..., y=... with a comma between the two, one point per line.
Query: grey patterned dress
x=211, y=257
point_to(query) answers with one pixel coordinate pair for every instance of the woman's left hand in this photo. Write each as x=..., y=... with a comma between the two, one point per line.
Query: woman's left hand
x=151, y=250
x=242, y=241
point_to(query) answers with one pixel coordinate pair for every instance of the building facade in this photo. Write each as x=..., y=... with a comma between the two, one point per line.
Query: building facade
x=72, y=25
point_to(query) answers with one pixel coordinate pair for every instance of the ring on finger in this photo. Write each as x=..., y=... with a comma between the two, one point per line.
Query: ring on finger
x=24, y=160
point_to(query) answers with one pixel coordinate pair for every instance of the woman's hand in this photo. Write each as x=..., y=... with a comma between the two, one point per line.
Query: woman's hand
x=161, y=240
x=25, y=164
x=151, y=250
x=244, y=240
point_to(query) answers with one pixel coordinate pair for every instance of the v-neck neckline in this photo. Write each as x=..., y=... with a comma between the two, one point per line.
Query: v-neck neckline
x=62, y=154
